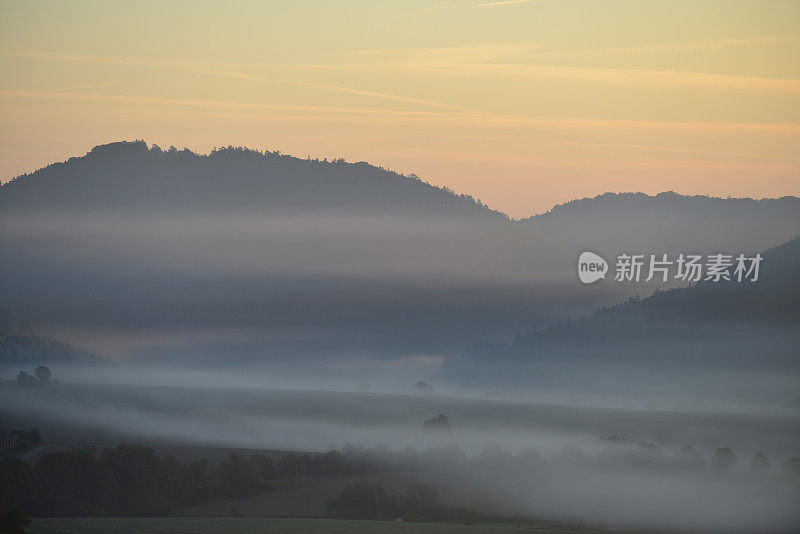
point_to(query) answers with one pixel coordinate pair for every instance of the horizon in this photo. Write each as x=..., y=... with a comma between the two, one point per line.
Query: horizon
x=498, y=99
x=549, y=210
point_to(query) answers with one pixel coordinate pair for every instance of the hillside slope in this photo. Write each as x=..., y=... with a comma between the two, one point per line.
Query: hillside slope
x=733, y=331
x=131, y=176
x=670, y=223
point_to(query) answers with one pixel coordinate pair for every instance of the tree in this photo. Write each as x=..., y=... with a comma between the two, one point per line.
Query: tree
x=438, y=424
x=689, y=458
x=422, y=387
x=493, y=455
x=266, y=465
x=238, y=477
x=43, y=374
x=292, y=466
x=18, y=486
x=724, y=458
x=360, y=500
x=28, y=438
x=26, y=380
x=74, y=484
x=142, y=480
x=792, y=466
x=200, y=478
x=13, y=522
x=421, y=503
x=760, y=462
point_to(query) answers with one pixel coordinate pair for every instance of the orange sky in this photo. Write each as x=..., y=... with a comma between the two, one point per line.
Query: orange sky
x=522, y=103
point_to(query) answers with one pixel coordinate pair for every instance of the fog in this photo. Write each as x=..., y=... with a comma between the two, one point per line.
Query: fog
x=256, y=301
x=600, y=466
x=143, y=285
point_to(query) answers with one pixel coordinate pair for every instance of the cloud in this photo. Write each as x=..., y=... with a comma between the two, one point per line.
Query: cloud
x=661, y=79
x=234, y=74
x=205, y=104
x=428, y=9
x=698, y=46
x=505, y=3
x=468, y=54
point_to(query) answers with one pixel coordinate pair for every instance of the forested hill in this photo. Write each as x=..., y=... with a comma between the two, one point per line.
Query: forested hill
x=22, y=346
x=130, y=175
x=774, y=298
x=670, y=223
x=749, y=324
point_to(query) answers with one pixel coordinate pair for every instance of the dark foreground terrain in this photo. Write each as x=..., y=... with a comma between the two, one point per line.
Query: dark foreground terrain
x=287, y=526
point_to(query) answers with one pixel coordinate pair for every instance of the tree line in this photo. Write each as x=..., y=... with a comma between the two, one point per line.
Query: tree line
x=133, y=480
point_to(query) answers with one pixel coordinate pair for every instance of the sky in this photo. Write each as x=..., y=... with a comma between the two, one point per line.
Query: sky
x=522, y=103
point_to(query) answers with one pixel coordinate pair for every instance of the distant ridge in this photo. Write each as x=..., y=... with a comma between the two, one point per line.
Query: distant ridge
x=670, y=223
x=643, y=199
x=135, y=176
x=22, y=346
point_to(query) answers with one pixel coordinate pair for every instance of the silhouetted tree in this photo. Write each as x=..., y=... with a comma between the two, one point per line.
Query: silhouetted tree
x=43, y=374
x=437, y=424
x=493, y=456
x=360, y=500
x=421, y=503
x=238, y=477
x=422, y=387
x=723, y=458
x=142, y=480
x=19, y=485
x=688, y=457
x=26, y=380
x=13, y=522
x=74, y=484
x=266, y=465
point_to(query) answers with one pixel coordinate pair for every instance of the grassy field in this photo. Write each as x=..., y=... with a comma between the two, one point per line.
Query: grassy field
x=305, y=499
x=288, y=526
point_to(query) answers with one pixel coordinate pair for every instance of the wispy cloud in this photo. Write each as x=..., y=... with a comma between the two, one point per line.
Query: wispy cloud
x=428, y=9
x=477, y=53
x=505, y=3
x=194, y=67
x=472, y=119
x=521, y=61
x=697, y=46
x=206, y=104
x=479, y=5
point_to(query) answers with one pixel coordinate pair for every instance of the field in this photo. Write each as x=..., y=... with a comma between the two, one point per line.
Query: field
x=308, y=497
x=585, y=465
x=287, y=526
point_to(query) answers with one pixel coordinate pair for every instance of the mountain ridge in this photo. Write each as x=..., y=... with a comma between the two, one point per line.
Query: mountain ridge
x=127, y=151
x=131, y=174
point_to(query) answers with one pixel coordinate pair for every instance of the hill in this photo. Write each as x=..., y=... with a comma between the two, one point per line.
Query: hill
x=255, y=255
x=247, y=255
x=734, y=331
x=670, y=223
x=20, y=346
x=131, y=176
